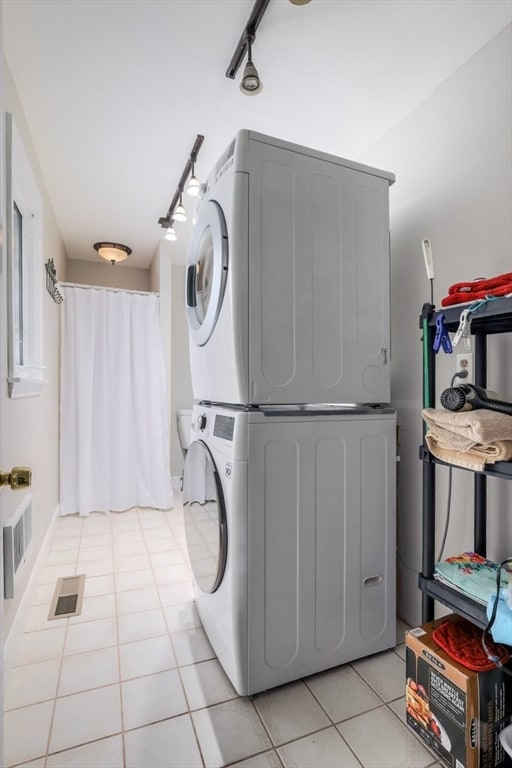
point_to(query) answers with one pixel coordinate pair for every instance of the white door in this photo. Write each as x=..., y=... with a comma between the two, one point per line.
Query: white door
x=6, y=477
x=207, y=266
x=3, y=347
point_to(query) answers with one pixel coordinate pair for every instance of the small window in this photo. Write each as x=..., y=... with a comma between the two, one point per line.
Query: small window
x=24, y=260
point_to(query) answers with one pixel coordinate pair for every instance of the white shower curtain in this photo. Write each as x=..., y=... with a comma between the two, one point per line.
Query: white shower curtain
x=114, y=446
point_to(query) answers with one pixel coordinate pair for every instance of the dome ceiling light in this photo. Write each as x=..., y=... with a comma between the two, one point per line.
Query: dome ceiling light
x=113, y=252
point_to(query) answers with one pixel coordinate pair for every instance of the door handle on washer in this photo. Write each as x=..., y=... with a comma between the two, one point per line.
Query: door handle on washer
x=191, y=286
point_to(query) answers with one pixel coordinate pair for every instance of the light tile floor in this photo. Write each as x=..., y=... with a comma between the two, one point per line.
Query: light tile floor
x=134, y=683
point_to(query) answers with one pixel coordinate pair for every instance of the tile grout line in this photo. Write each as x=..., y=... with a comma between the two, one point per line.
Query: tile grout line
x=333, y=723
x=188, y=713
x=54, y=707
x=36, y=584
x=63, y=656
x=117, y=646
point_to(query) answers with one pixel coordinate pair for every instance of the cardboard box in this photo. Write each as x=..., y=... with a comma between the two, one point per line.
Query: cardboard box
x=457, y=712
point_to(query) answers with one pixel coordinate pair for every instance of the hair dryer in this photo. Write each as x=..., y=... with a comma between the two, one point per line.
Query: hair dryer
x=467, y=397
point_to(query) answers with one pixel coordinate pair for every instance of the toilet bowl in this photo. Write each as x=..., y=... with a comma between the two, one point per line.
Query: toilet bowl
x=184, y=419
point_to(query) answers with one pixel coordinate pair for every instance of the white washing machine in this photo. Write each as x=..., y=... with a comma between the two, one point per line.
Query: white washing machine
x=290, y=528
x=287, y=280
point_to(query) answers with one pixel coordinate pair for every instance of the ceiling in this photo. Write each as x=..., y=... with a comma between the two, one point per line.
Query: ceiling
x=115, y=92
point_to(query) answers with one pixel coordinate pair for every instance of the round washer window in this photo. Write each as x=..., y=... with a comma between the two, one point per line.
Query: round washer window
x=205, y=517
x=207, y=269
x=204, y=275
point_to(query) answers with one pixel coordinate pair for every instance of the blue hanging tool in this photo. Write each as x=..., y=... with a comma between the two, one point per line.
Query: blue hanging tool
x=442, y=337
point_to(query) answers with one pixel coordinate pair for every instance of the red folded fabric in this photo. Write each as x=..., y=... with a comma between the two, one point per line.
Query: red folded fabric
x=458, y=293
x=462, y=641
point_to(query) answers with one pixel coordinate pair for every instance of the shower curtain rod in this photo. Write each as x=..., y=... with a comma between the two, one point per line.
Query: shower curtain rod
x=108, y=288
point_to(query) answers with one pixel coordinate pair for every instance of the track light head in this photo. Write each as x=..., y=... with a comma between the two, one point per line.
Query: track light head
x=193, y=183
x=170, y=233
x=193, y=186
x=179, y=212
x=251, y=83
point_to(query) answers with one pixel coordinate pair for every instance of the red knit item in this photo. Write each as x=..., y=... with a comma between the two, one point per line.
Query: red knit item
x=478, y=289
x=462, y=641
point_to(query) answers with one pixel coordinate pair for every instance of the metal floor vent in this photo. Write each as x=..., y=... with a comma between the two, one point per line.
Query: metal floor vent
x=67, y=598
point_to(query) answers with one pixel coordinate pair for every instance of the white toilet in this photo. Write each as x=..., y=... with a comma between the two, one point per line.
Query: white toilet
x=184, y=419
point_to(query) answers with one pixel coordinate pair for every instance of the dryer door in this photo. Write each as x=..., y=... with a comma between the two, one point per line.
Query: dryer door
x=205, y=517
x=207, y=266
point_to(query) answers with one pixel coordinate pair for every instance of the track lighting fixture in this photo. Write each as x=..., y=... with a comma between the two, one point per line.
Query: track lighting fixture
x=113, y=252
x=176, y=210
x=251, y=83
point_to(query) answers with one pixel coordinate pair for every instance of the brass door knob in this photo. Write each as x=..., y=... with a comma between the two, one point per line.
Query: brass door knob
x=18, y=477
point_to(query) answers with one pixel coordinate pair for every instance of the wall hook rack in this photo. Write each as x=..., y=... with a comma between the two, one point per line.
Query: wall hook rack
x=52, y=285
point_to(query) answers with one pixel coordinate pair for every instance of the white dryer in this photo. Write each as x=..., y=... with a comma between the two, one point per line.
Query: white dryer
x=287, y=279
x=290, y=528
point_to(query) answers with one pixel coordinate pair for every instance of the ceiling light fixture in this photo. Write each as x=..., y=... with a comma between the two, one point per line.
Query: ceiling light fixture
x=251, y=83
x=113, y=252
x=300, y=2
x=176, y=210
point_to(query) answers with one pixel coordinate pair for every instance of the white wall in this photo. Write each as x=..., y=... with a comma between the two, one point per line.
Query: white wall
x=453, y=163
x=104, y=274
x=169, y=280
x=181, y=384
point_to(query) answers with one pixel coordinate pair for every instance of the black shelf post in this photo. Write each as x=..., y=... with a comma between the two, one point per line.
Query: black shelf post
x=429, y=467
x=480, y=481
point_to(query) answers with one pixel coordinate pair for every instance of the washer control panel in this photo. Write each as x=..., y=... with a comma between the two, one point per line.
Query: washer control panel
x=224, y=427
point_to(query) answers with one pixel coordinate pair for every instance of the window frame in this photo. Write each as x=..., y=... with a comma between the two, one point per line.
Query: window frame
x=24, y=214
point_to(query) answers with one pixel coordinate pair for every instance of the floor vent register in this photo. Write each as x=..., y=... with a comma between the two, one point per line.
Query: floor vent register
x=68, y=597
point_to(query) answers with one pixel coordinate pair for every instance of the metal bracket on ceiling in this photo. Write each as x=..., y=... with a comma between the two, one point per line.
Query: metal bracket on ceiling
x=259, y=8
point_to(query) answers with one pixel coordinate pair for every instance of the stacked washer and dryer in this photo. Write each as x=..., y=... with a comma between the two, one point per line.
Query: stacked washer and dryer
x=289, y=478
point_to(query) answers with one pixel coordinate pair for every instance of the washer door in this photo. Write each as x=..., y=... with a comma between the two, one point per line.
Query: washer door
x=207, y=266
x=205, y=517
